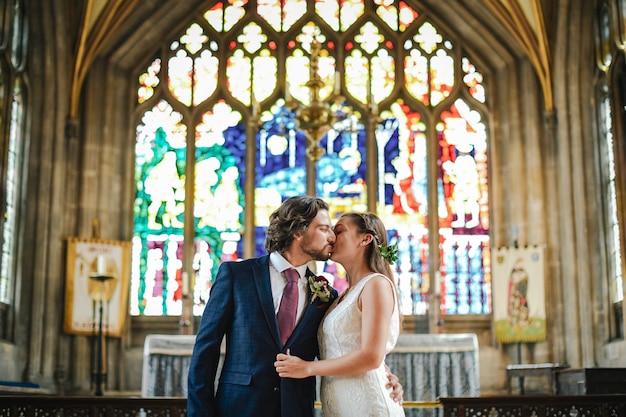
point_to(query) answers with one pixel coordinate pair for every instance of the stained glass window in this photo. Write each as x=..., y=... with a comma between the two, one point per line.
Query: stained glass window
x=464, y=212
x=159, y=210
x=12, y=106
x=613, y=240
x=223, y=125
x=218, y=195
x=616, y=283
x=14, y=161
x=403, y=199
x=612, y=69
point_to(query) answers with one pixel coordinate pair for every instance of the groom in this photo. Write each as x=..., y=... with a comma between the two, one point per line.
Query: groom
x=243, y=304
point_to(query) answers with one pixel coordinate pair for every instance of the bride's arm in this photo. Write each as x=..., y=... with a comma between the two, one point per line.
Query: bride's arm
x=376, y=302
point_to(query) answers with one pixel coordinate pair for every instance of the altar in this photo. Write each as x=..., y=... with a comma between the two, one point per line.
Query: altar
x=429, y=366
x=436, y=365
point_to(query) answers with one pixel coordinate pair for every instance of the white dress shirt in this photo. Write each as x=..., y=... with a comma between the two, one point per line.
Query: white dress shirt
x=278, y=280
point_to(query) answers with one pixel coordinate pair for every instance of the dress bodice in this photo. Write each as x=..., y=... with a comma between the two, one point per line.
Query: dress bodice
x=340, y=333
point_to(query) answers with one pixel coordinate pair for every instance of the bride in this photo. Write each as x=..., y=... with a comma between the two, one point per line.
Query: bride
x=359, y=329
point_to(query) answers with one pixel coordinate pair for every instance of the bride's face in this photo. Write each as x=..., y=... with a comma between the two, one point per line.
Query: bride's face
x=347, y=241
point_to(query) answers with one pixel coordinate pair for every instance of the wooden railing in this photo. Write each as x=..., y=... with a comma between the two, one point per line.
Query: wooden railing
x=27, y=405
x=610, y=405
x=114, y=406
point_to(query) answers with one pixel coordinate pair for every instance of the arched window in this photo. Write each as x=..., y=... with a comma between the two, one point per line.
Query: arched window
x=12, y=120
x=612, y=66
x=228, y=113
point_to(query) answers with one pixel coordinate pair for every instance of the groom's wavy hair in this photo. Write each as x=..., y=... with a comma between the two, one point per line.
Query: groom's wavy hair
x=293, y=216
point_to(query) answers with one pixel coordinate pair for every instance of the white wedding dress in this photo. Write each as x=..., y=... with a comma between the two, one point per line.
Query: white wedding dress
x=340, y=333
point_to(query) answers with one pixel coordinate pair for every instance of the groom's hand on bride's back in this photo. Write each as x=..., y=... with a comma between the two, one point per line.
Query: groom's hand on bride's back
x=397, y=392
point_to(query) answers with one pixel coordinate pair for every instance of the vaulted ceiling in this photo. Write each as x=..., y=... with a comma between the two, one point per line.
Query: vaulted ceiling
x=523, y=19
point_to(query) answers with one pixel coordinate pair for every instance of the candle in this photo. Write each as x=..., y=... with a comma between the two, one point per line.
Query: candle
x=101, y=265
x=437, y=289
x=337, y=83
x=185, y=283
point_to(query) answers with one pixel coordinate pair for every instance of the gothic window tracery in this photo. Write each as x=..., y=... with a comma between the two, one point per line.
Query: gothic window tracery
x=382, y=64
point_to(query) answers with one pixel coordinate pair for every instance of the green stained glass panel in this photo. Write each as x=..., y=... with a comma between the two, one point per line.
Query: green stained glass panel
x=159, y=212
x=218, y=194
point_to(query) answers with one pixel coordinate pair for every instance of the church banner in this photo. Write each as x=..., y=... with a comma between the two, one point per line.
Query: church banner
x=518, y=294
x=96, y=287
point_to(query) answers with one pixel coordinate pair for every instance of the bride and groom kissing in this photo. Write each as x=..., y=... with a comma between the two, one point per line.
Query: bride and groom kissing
x=270, y=362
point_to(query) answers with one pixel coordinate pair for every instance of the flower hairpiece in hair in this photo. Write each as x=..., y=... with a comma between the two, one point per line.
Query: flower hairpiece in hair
x=389, y=252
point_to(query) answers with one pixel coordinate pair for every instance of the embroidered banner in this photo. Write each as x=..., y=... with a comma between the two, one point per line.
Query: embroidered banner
x=97, y=274
x=519, y=309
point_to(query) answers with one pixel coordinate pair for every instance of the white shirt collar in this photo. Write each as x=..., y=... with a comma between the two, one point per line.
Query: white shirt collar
x=280, y=263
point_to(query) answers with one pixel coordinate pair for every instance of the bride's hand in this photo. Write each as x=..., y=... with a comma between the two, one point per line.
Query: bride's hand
x=289, y=366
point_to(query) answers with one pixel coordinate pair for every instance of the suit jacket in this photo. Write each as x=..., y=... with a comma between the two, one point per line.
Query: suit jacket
x=241, y=308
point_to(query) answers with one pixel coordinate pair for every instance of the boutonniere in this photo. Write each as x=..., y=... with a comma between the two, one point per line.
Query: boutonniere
x=320, y=288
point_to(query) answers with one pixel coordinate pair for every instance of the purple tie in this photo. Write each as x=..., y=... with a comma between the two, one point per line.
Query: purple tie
x=288, y=305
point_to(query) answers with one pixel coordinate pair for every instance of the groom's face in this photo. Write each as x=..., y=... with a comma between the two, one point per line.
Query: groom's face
x=318, y=239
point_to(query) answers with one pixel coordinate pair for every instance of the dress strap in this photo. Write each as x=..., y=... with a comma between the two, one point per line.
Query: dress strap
x=372, y=275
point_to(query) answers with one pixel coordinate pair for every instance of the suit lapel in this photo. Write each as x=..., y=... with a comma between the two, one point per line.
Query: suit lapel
x=261, y=273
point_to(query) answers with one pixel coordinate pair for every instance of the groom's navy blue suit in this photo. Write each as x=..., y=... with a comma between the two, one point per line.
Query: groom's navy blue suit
x=241, y=307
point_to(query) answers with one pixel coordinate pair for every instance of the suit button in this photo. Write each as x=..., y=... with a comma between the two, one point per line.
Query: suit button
x=276, y=389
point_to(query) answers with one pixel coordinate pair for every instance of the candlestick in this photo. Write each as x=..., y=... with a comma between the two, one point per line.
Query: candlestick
x=99, y=373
